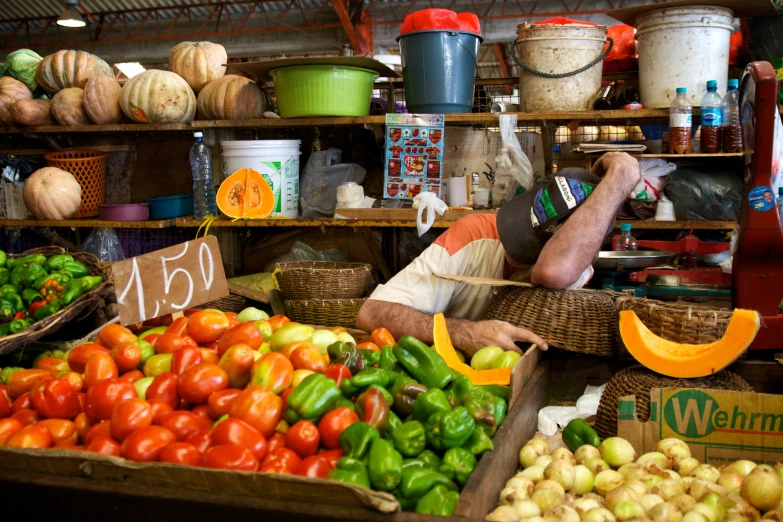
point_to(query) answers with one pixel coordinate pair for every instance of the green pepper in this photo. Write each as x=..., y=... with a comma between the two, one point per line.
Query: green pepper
x=479, y=442
x=409, y=438
x=460, y=386
x=6, y=310
x=17, y=325
x=55, y=263
x=30, y=296
x=386, y=395
x=371, y=357
x=356, y=439
x=312, y=399
x=430, y=459
x=422, y=362
x=16, y=300
x=417, y=482
x=387, y=360
x=5, y=275
x=578, y=433
x=406, y=395
x=394, y=423
x=385, y=466
x=90, y=282
x=32, y=272
x=345, y=402
x=485, y=409
x=350, y=471
x=458, y=465
x=363, y=380
x=412, y=463
x=449, y=429
x=60, y=278
x=8, y=288
x=429, y=403
x=49, y=309
x=12, y=263
x=439, y=501
x=75, y=269
x=372, y=408
x=346, y=354
x=72, y=292
x=397, y=380
x=3, y=258
x=5, y=329
x=497, y=390
x=15, y=279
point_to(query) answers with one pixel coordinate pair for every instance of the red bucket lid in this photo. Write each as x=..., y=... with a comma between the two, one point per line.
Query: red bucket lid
x=440, y=20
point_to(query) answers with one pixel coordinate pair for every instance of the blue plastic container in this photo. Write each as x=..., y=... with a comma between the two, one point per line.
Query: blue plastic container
x=167, y=207
x=439, y=70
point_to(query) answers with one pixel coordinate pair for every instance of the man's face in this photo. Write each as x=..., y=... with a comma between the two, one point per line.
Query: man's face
x=768, y=197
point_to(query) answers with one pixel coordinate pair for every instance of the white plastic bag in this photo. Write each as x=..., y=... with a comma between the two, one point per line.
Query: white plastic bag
x=653, y=171
x=430, y=202
x=104, y=244
x=512, y=166
x=552, y=417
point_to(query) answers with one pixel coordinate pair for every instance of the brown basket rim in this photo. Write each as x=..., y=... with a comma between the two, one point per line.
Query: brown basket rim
x=314, y=266
x=350, y=300
x=56, y=156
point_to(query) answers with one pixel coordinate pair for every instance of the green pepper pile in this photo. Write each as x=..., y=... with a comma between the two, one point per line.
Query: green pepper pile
x=422, y=426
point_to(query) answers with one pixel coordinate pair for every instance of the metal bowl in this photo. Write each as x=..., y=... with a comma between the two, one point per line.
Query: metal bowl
x=631, y=259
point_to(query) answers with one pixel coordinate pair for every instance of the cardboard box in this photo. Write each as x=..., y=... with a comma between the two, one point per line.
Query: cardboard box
x=719, y=426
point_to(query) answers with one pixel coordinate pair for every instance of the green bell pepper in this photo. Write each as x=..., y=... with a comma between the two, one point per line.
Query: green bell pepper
x=17, y=325
x=15, y=299
x=15, y=278
x=422, y=362
x=430, y=459
x=63, y=279
x=49, y=309
x=7, y=310
x=75, y=269
x=30, y=296
x=417, y=482
x=497, y=390
x=485, y=409
x=385, y=466
x=345, y=402
x=387, y=360
x=429, y=403
x=405, y=395
x=373, y=408
x=371, y=357
x=412, y=463
x=578, y=433
x=3, y=258
x=397, y=379
x=458, y=465
x=449, y=429
x=5, y=275
x=7, y=288
x=346, y=354
x=479, y=442
x=409, y=438
x=350, y=471
x=312, y=399
x=386, y=394
x=55, y=263
x=90, y=282
x=363, y=380
x=356, y=439
x=12, y=263
x=439, y=501
x=460, y=386
x=394, y=423
x=5, y=329
x=72, y=292
x=32, y=272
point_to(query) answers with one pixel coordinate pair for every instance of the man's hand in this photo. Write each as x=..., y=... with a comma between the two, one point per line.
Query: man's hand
x=621, y=166
x=476, y=335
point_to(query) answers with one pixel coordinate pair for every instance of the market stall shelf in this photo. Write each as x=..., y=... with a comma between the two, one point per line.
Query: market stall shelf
x=86, y=223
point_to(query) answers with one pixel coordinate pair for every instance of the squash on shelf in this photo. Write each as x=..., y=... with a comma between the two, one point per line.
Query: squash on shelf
x=52, y=193
x=68, y=107
x=245, y=194
x=687, y=361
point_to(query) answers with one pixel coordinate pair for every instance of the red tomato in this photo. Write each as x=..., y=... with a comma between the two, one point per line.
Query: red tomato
x=189, y=341
x=21, y=403
x=332, y=456
x=289, y=349
x=184, y=423
x=26, y=417
x=5, y=402
x=285, y=395
x=278, y=321
x=303, y=438
x=237, y=362
x=207, y=326
x=132, y=376
x=276, y=440
x=382, y=337
x=52, y=365
x=99, y=367
x=277, y=468
x=81, y=425
x=332, y=425
x=283, y=457
x=369, y=346
x=245, y=333
x=178, y=326
x=164, y=388
x=23, y=381
x=114, y=334
x=146, y=444
x=338, y=373
x=105, y=446
x=232, y=319
x=273, y=372
x=129, y=416
x=63, y=431
x=306, y=358
x=77, y=358
x=258, y=407
x=102, y=429
x=152, y=339
x=127, y=356
x=101, y=398
x=159, y=410
x=9, y=428
x=198, y=382
x=168, y=343
x=55, y=399
x=219, y=403
x=236, y=431
x=316, y=466
x=181, y=453
x=201, y=440
x=202, y=410
x=74, y=380
x=229, y=456
x=184, y=358
x=210, y=356
x=32, y=436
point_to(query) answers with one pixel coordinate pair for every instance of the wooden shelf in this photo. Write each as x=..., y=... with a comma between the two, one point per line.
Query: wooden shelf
x=85, y=223
x=651, y=224
x=686, y=156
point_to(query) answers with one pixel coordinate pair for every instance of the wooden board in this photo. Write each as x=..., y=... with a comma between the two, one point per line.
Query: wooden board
x=85, y=223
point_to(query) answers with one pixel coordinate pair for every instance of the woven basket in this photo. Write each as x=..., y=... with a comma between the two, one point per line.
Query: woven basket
x=89, y=169
x=639, y=381
x=324, y=312
x=304, y=280
x=82, y=306
x=230, y=303
x=583, y=321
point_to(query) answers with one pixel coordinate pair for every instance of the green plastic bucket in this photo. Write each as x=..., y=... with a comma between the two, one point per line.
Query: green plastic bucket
x=323, y=90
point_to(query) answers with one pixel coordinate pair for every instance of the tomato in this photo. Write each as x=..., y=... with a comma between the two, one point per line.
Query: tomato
x=306, y=358
x=178, y=326
x=245, y=333
x=198, y=382
x=232, y=319
x=102, y=429
x=237, y=431
x=77, y=358
x=206, y=326
x=369, y=346
x=74, y=380
x=258, y=407
x=114, y=334
x=332, y=456
x=132, y=376
x=164, y=388
x=55, y=399
x=202, y=410
x=229, y=456
x=292, y=347
x=316, y=466
x=210, y=356
x=63, y=431
x=27, y=417
x=282, y=457
x=184, y=358
x=31, y=436
x=278, y=321
x=82, y=397
x=127, y=356
x=147, y=351
x=101, y=398
x=99, y=367
x=21, y=403
x=129, y=416
x=52, y=365
x=169, y=343
x=81, y=425
x=237, y=362
x=181, y=453
x=332, y=425
x=201, y=440
x=219, y=403
x=184, y=423
x=5, y=402
x=146, y=444
x=158, y=364
x=23, y=381
x=285, y=395
x=273, y=372
x=105, y=446
x=9, y=428
x=338, y=373
x=381, y=337
x=189, y=341
x=159, y=410
x=151, y=339
x=303, y=438
x=265, y=328
x=276, y=440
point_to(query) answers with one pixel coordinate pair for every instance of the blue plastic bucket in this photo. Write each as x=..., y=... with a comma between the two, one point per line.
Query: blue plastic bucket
x=439, y=70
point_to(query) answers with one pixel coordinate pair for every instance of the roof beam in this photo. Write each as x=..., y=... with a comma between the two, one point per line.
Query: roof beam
x=359, y=35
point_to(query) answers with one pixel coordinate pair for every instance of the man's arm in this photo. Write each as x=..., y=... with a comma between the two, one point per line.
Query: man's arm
x=469, y=335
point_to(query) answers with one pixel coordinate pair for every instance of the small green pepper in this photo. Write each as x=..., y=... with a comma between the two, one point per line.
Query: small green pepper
x=412, y=463
x=346, y=354
x=312, y=399
x=485, y=408
x=394, y=423
x=479, y=442
x=409, y=438
x=497, y=390
x=17, y=325
x=422, y=362
x=90, y=282
x=417, y=482
x=32, y=272
x=371, y=357
x=372, y=407
x=439, y=501
x=7, y=310
x=430, y=459
x=356, y=439
x=458, y=464
x=387, y=360
x=350, y=471
x=15, y=279
x=578, y=433
x=30, y=296
x=405, y=395
x=56, y=262
x=345, y=402
x=72, y=292
x=5, y=329
x=75, y=269
x=16, y=300
x=5, y=275
x=363, y=380
x=449, y=429
x=385, y=467
x=46, y=310
x=14, y=262
x=60, y=278
x=8, y=288
x=3, y=258
x=429, y=403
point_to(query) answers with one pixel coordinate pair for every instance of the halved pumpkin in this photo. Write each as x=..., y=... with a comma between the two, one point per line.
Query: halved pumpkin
x=445, y=349
x=245, y=194
x=688, y=360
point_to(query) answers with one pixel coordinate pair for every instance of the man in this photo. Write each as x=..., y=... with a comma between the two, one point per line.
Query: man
x=548, y=236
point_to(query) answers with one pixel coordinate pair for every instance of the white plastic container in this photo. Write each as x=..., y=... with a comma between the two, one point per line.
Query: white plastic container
x=682, y=47
x=276, y=160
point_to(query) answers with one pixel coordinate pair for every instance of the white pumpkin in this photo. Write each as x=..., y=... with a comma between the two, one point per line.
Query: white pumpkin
x=156, y=96
x=198, y=62
x=52, y=193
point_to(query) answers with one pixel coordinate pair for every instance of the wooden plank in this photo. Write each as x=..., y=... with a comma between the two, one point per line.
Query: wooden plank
x=41, y=152
x=85, y=223
x=651, y=224
x=394, y=214
x=307, y=223
x=686, y=156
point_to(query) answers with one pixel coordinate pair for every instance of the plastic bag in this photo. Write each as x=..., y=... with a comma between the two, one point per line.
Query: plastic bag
x=512, y=167
x=622, y=57
x=104, y=244
x=15, y=169
x=714, y=196
x=653, y=170
x=440, y=19
x=430, y=202
x=320, y=179
x=304, y=252
x=550, y=417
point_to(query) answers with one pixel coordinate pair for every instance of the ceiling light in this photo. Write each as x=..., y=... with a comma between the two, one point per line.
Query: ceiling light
x=71, y=17
x=130, y=69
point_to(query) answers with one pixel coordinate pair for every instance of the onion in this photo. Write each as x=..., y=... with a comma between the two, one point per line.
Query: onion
x=540, y=445
x=616, y=451
x=687, y=481
x=598, y=515
x=694, y=516
x=721, y=503
x=534, y=519
x=547, y=498
x=561, y=514
x=765, y=466
x=669, y=488
x=627, y=510
x=650, y=480
x=779, y=470
x=596, y=466
x=583, y=480
x=632, y=471
x=585, y=453
x=654, y=458
x=650, y=500
x=562, y=472
x=606, y=481
x=563, y=454
x=670, y=474
x=526, y=508
x=619, y=495
x=595, y=496
x=503, y=514
x=683, y=502
x=664, y=512
x=686, y=466
x=675, y=450
x=636, y=485
x=708, y=511
x=699, y=488
x=731, y=481
x=741, y=467
x=583, y=505
x=761, y=488
x=735, y=517
x=543, y=461
x=534, y=473
x=510, y=495
x=706, y=472
x=521, y=483
x=741, y=507
x=551, y=484
x=531, y=451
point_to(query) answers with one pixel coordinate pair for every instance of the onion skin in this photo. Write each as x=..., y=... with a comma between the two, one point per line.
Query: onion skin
x=761, y=489
x=664, y=512
x=606, y=481
x=584, y=453
x=616, y=451
x=599, y=515
x=561, y=514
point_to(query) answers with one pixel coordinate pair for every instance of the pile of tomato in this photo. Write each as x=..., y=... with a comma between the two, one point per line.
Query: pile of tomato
x=202, y=390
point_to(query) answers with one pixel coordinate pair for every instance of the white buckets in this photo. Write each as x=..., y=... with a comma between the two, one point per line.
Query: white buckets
x=276, y=160
x=682, y=47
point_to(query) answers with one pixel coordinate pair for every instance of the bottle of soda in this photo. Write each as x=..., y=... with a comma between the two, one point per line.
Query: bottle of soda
x=731, y=132
x=680, y=123
x=711, y=119
x=625, y=241
x=204, y=201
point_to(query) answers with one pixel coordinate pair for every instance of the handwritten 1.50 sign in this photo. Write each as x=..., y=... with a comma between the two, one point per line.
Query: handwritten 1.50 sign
x=169, y=280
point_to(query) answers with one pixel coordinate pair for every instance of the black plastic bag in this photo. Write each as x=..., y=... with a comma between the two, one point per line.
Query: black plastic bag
x=712, y=196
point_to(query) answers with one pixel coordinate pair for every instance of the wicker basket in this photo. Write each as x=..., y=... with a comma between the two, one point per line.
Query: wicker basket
x=304, y=280
x=89, y=169
x=639, y=381
x=230, y=303
x=583, y=321
x=324, y=312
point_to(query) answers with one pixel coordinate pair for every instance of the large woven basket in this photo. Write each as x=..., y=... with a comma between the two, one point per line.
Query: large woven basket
x=324, y=312
x=639, y=381
x=583, y=321
x=230, y=303
x=304, y=280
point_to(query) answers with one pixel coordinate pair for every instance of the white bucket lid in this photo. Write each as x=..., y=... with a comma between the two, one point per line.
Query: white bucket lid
x=261, y=144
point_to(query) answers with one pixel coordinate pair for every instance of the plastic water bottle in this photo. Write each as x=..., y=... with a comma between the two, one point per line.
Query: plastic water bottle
x=711, y=119
x=204, y=201
x=779, y=203
x=625, y=241
x=680, y=123
x=731, y=132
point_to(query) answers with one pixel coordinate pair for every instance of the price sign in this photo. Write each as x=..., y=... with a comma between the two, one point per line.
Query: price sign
x=169, y=280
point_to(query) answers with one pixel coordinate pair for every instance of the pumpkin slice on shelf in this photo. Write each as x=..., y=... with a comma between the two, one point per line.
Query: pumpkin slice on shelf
x=245, y=194
x=688, y=360
x=445, y=349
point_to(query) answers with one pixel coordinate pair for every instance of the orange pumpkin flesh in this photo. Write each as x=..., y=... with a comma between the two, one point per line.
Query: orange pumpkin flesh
x=688, y=360
x=245, y=194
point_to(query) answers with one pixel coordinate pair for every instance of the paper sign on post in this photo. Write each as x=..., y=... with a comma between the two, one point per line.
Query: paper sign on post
x=169, y=280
